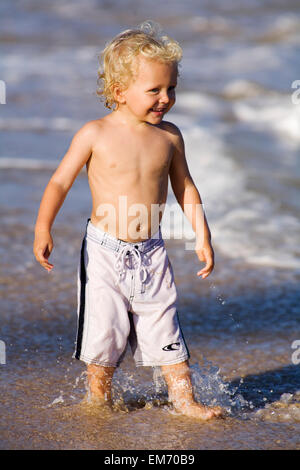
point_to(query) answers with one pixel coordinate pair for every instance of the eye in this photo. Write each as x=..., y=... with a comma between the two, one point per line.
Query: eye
x=154, y=90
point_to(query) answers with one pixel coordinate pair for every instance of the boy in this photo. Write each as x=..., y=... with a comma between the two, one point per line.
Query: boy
x=126, y=287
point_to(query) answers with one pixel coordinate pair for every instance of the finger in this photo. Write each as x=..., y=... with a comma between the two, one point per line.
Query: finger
x=48, y=268
x=203, y=275
x=208, y=267
x=206, y=270
x=46, y=265
x=43, y=260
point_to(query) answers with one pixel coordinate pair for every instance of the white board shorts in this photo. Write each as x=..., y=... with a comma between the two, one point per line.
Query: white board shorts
x=127, y=293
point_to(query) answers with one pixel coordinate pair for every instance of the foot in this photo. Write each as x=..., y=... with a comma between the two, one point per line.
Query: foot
x=96, y=399
x=196, y=410
x=93, y=405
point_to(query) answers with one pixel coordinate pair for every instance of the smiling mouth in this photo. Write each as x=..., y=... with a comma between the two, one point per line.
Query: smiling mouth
x=159, y=111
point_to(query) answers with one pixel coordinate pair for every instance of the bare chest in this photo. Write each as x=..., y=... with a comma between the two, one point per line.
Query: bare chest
x=149, y=155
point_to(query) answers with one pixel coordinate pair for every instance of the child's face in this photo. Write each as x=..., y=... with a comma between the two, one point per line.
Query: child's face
x=152, y=93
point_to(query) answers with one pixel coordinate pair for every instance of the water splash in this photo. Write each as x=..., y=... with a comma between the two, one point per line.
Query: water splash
x=130, y=391
x=66, y=397
x=57, y=400
x=211, y=390
x=133, y=390
x=284, y=410
x=219, y=296
x=222, y=300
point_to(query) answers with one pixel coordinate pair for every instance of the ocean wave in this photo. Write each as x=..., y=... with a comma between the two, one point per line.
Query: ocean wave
x=240, y=89
x=39, y=124
x=277, y=114
x=246, y=224
x=7, y=163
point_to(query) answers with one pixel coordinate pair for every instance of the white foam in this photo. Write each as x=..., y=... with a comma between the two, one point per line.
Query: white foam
x=215, y=24
x=285, y=27
x=7, y=163
x=27, y=163
x=245, y=225
x=57, y=400
x=198, y=101
x=37, y=124
x=236, y=89
x=277, y=114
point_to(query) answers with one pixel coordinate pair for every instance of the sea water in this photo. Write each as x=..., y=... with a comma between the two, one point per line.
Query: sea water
x=236, y=111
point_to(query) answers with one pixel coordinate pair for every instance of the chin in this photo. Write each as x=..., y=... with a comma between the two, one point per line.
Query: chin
x=155, y=120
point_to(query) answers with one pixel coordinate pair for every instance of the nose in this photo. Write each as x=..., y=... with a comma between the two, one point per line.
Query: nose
x=164, y=98
x=167, y=96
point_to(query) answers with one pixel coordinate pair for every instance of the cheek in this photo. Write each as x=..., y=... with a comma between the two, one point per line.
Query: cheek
x=173, y=97
x=149, y=102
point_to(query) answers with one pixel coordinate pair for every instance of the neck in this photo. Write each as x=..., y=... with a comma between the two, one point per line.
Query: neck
x=122, y=115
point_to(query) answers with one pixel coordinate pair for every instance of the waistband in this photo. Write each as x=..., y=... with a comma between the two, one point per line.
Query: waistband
x=115, y=244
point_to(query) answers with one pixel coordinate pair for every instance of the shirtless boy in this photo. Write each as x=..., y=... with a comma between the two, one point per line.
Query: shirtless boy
x=126, y=283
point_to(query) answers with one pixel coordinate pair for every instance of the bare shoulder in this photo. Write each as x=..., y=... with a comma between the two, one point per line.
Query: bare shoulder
x=174, y=134
x=90, y=128
x=89, y=132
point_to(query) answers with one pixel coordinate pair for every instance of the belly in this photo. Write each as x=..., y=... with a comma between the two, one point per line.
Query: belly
x=128, y=220
x=130, y=205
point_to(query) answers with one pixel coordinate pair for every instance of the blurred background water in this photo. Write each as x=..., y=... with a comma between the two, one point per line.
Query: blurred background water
x=242, y=136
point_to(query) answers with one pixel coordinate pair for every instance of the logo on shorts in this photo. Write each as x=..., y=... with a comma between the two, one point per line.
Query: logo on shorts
x=171, y=347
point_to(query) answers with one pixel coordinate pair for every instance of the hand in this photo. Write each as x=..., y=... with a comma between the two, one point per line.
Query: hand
x=206, y=255
x=42, y=247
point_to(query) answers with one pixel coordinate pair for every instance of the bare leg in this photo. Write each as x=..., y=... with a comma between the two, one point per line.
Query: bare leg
x=180, y=389
x=99, y=380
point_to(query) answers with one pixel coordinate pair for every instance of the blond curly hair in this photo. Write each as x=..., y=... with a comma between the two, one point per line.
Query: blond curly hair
x=118, y=64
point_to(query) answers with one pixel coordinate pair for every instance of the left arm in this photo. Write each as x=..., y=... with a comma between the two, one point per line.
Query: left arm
x=189, y=199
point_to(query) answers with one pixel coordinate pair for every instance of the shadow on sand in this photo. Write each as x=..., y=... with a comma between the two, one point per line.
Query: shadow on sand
x=267, y=387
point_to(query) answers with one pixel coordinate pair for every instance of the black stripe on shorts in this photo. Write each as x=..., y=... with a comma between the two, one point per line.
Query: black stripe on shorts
x=82, y=278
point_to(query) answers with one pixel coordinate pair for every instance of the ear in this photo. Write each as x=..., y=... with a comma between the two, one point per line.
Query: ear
x=119, y=93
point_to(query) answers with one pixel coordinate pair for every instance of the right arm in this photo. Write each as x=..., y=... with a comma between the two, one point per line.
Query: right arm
x=57, y=189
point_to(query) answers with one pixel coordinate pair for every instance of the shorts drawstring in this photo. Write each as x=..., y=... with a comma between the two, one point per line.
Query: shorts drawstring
x=121, y=260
